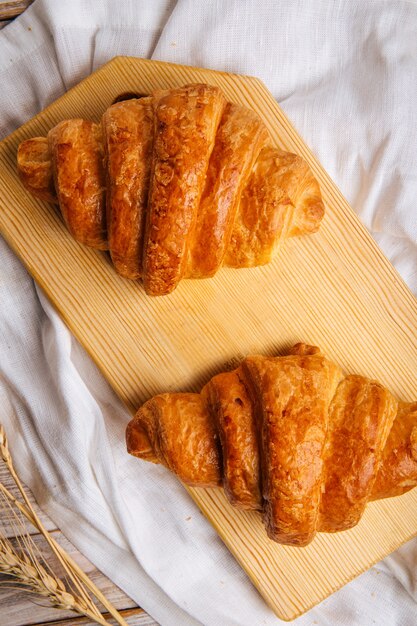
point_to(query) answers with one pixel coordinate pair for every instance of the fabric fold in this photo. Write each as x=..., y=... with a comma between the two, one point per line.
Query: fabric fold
x=346, y=76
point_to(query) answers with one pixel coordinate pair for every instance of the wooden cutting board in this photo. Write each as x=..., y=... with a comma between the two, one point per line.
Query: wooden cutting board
x=334, y=289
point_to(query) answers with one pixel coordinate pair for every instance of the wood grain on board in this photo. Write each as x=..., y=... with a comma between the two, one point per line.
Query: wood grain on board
x=334, y=289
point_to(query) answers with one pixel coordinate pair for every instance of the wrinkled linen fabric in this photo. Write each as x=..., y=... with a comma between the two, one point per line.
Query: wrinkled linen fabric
x=345, y=73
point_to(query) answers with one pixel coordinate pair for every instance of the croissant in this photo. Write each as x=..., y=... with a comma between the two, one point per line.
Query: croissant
x=175, y=185
x=289, y=436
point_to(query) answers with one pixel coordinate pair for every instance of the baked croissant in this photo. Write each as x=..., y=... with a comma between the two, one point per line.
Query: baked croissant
x=290, y=436
x=174, y=185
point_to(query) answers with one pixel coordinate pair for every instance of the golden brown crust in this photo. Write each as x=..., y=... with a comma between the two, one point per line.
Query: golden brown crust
x=239, y=139
x=77, y=162
x=182, y=437
x=292, y=395
x=281, y=199
x=141, y=439
x=189, y=180
x=325, y=444
x=186, y=122
x=231, y=407
x=264, y=215
x=35, y=168
x=296, y=177
x=361, y=417
x=128, y=139
x=398, y=470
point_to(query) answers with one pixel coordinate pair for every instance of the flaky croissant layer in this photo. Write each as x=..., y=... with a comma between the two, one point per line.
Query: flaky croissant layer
x=174, y=185
x=290, y=436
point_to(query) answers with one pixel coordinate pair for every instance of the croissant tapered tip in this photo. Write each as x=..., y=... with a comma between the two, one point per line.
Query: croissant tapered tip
x=304, y=349
x=137, y=441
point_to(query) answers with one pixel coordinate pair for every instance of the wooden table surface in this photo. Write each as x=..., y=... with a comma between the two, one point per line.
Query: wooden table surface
x=10, y=9
x=19, y=608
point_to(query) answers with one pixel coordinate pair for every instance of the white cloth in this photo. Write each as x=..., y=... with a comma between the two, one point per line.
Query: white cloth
x=346, y=75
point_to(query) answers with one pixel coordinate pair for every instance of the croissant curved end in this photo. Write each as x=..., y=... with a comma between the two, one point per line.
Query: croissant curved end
x=302, y=349
x=137, y=441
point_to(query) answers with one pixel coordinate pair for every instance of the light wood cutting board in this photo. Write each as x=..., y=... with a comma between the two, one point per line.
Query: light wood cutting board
x=334, y=289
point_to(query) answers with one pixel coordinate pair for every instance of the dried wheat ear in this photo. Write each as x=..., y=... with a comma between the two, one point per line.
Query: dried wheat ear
x=23, y=567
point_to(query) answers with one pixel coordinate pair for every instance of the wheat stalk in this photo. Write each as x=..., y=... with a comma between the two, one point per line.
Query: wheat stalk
x=23, y=565
x=28, y=573
x=18, y=565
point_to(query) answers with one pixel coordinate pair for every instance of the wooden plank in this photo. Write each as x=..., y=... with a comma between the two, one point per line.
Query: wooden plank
x=334, y=289
x=17, y=606
x=13, y=8
x=7, y=519
x=134, y=617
